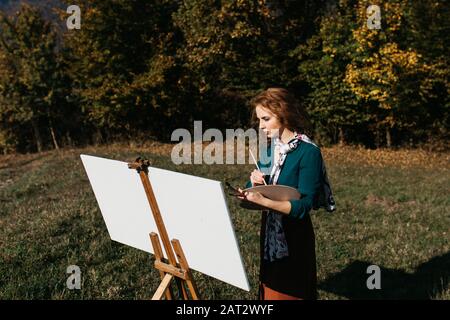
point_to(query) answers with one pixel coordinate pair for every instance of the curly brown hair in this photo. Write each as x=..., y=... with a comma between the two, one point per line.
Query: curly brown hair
x=285, y=107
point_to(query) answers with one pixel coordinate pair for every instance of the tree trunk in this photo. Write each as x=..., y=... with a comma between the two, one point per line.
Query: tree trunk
x=388, y=137
x=97, y=137
x=68, y=139
x=377, y=138
x=52, y=132
x=37, y=135
x=341, y=137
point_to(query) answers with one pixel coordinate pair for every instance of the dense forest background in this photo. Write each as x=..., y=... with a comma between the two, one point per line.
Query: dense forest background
x=140, y=69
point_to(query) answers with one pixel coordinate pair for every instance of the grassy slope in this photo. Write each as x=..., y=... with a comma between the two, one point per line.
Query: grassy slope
x=391, y=212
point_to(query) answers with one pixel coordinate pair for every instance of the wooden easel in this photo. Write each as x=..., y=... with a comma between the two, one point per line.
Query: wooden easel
x=173, y=269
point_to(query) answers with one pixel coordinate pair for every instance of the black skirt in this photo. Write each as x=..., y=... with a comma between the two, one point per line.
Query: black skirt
x=294, y=275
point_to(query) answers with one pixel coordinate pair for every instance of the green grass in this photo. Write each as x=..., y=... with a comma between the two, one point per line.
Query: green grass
x=391, y=216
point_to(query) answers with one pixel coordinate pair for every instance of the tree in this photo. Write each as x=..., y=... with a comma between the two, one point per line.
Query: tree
x=31, y=84
x=383, y=72
x=322, y=62
x=393, y=81
x=232, y=49
x=123, y=66
x=428, y=24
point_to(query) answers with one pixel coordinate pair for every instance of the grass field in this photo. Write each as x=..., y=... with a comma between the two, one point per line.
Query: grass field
x=391, y=212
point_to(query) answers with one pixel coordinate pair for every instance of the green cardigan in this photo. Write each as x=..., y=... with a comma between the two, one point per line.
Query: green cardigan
x=296, y=274
x=301, y=170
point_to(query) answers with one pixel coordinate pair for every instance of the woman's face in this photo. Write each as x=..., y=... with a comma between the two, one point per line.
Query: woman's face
x=268, y=122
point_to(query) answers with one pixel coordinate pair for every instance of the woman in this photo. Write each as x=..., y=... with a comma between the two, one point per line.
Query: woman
x=288, y=261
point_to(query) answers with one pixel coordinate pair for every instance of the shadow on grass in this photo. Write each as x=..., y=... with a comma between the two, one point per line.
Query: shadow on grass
x=428, y=281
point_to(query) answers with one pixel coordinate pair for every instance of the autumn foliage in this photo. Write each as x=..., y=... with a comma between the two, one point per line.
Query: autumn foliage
x=140, y=69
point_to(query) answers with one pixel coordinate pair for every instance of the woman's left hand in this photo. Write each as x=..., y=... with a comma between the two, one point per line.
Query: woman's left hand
x=255, y=197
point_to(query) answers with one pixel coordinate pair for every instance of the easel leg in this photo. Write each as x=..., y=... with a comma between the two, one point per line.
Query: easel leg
x=184, y=265
x=159, y=256
x=162, y=287
x=181, y=287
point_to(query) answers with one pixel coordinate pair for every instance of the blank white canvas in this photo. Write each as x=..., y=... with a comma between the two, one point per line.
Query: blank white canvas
x=194, y=211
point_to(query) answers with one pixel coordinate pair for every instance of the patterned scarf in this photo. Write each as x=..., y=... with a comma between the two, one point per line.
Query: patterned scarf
x=275, y=244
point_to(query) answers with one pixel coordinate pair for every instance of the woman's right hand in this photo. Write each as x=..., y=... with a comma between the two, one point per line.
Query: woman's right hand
x=257, y=177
